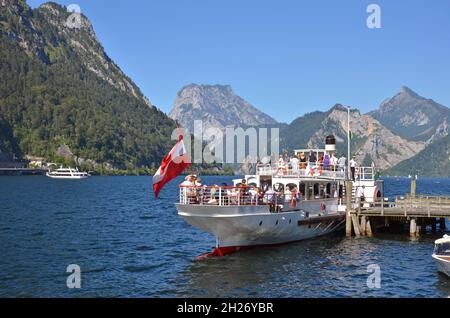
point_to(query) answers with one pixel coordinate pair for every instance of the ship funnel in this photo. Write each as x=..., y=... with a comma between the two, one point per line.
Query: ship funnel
x=330, y=144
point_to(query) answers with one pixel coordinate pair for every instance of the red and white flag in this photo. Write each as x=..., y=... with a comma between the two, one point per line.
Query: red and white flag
x=171, y=166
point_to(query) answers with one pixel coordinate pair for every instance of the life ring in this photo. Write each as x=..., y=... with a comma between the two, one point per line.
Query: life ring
x=323, y=206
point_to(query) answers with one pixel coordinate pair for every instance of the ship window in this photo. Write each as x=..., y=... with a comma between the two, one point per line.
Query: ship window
x=261, y=223
x=442, y=249
x=302, y=188
x=328, y=192
x=316, y=190
x=277, y=222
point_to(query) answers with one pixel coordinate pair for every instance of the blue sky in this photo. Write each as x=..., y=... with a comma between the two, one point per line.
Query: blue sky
x=285, y=57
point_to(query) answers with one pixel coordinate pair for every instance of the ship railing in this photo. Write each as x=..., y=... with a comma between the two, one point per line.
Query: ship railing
x=313, y=170
x=365, y=173
x=230, y=196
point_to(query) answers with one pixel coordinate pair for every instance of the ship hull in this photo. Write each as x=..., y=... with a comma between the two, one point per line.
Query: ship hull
x=237, y=228
x=68, y=177
x=443, y=264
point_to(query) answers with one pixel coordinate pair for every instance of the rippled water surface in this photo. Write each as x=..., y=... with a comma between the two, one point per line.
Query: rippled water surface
x=129, y=245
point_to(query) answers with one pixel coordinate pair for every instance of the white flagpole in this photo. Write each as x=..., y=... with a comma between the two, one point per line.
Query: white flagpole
x=348, y=144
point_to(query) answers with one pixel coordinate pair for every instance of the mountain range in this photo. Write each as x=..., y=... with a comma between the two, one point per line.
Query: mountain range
x=60, y=90
x=403, y=130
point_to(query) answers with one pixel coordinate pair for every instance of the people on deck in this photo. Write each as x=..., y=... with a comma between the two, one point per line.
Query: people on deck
x=342, y=163
x=326, y=162
x=360, y=197
x=302, y=161
x=295, y=163
x=333, y=161
x=353, y=167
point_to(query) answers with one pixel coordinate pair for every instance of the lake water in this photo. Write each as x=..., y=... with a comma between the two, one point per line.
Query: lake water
x=129, y=245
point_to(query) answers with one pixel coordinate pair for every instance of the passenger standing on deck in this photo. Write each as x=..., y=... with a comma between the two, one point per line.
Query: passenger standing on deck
x=303, y=161
x=333, y=162
x=342, y=163
x=360, y=198
x=295, y=163
x=353, y=167
x=326, y=162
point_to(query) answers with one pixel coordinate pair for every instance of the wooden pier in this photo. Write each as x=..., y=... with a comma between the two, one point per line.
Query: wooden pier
x=419, y=211
x=22, y=171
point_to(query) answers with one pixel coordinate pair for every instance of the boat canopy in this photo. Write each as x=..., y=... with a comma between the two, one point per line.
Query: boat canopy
x=445, y=239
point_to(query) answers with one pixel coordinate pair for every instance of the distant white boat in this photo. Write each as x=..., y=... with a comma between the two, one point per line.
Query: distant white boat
x=68, y=173
x=442, y=254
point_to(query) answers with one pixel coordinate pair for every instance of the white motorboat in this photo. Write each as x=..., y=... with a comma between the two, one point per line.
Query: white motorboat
x=442, y=255
x=67, y=173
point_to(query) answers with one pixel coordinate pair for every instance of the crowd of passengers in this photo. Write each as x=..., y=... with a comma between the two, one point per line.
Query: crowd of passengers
x=245, y=194
x=311, y=164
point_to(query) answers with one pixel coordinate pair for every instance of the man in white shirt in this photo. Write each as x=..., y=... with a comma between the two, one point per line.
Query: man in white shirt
x=360, y=197
x=341, y=163
x=333, y=161
x=353, y=167
x=295, y=163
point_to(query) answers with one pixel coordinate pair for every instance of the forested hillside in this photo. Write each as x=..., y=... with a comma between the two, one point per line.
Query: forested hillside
x=59, y=87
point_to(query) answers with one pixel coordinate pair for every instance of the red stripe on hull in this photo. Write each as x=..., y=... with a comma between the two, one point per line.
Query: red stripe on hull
x=222, y=251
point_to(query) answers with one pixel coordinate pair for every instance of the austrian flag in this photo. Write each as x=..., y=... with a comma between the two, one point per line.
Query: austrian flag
x=171, y=167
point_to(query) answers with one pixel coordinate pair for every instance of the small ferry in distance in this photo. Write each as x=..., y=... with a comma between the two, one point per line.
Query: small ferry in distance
x=280, y=204
x=442, y=255
x=68, y=173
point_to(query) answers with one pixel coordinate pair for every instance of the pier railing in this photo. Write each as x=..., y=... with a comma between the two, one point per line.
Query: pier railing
x=414, y=206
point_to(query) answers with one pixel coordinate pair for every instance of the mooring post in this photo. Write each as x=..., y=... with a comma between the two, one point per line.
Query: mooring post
x=412, y=227
x=368, y=228
x=363, y=225
x=348, y=220
x=355, y=225
x=418, y=230
x=413, y=187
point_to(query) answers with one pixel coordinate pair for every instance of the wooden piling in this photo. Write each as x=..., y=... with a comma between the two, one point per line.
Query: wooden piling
x=355, y=225
x=413, y=187
x=348, y=220
x=363, y=225
x=412, y=227
x=368, y=228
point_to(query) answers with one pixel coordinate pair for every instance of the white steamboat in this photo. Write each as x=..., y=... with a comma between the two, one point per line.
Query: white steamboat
x=68, y=173
x=279, y=204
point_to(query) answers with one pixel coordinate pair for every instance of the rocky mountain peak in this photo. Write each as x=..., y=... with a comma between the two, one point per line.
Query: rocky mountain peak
x=412, y=116
x=217, y=106
x=406, y=91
